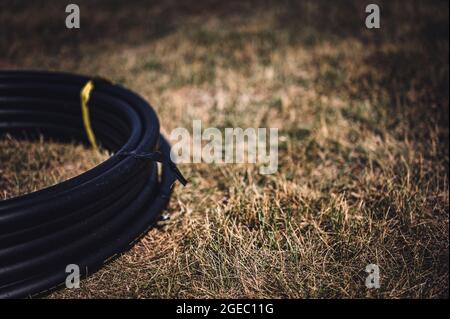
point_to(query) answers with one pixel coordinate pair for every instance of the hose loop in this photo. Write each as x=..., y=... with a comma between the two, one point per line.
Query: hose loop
x=90, y=218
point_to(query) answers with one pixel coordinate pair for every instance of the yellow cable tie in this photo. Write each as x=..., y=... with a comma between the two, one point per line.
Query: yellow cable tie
x=85, y=95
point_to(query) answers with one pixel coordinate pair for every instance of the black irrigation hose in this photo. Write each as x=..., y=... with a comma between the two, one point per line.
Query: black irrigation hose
x=92, y=217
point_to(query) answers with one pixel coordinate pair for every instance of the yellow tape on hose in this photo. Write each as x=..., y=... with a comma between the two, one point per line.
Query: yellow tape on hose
x=85, y=96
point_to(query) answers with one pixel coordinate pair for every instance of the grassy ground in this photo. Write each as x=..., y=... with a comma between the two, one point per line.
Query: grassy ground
x=363, y=119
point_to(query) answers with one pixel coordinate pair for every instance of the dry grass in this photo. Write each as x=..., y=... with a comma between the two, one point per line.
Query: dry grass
x=363, y=118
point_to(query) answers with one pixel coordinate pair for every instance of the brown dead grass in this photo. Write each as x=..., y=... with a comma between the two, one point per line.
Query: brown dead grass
x=363, y=119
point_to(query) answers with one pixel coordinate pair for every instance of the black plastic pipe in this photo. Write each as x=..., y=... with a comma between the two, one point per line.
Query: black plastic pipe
x=97, y=215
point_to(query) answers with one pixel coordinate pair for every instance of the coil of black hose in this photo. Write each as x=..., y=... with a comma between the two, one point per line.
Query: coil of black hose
x=90, y=218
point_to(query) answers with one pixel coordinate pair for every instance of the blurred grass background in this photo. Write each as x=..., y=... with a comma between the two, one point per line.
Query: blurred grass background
x=364, y=125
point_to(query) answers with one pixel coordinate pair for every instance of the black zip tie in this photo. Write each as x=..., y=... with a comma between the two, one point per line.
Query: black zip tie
x=159, y=157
